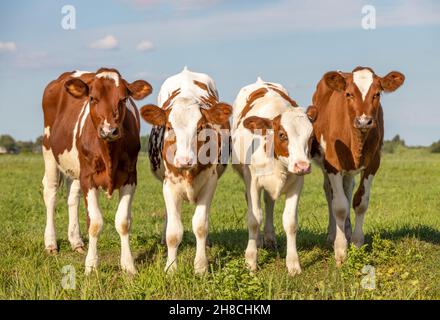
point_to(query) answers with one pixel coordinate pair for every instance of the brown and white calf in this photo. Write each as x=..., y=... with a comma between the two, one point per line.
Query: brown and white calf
x=268, y=121
x=91, y=135
x=348, y=137
x=185, y=146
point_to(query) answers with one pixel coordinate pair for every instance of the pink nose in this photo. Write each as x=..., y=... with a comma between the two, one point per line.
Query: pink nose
x=183, y=162
x=302, y=167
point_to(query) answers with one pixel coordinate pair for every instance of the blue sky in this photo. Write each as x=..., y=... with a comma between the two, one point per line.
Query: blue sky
x=291, y=42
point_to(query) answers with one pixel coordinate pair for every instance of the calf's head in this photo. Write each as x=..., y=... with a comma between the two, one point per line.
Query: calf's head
x=292, y=137
x=184, y=123
x=107, y=93
x=361, y=92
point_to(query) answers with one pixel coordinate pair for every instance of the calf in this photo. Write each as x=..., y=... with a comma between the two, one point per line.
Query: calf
x=348, y=136
x=189, y=119
x=264, y=111
x=91, y=135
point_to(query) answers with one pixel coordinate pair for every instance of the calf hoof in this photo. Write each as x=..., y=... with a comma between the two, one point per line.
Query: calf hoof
x=52, y=250
x=130, y=270
x=251, y=265
x=270, y=243
x=358, y=241
x=88, y=270
x=340, y=258
x=201, y=266
x=80, y=249
x=294, y=270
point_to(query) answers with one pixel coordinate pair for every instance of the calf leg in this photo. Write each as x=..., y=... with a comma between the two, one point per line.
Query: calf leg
x=290, y=224
x=50, y=186
x=174, y=226
x=74, y=235
x=123, y=225
x=360, y=205
x=96, y=222
x=254, y=216
x=348, y=191
x=270, y=240
x=200, y=224
x=331, y=229
x=340, y=209
x=163, y=239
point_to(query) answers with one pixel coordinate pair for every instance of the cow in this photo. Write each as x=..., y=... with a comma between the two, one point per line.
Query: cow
x=189, y=118
x=348, y=137
x=91, y=136
x=263, y=112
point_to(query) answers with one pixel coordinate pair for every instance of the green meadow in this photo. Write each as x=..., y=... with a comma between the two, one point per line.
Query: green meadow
x=402, y=247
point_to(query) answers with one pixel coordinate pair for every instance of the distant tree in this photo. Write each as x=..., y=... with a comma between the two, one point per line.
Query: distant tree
x=25, y=146
x=390, y=146
x=398, y=140
x=38, y=144
x=8, y=142
x=435, y=147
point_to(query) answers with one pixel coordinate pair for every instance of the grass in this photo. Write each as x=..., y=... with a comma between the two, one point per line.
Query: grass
x=402, y=241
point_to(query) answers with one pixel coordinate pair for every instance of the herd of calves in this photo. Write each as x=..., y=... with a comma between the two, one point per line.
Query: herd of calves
x=92, y=137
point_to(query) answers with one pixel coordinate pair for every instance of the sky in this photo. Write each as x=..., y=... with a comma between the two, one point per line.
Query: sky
x=292, y=42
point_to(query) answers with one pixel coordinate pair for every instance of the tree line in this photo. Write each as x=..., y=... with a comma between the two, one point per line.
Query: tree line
x=9, y=145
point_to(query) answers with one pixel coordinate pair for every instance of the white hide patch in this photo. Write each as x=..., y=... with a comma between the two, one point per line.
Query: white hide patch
x=184, y=82
x=363, y=80
x=47, y=132
x=69, y=160
x=323, y=144
x=129, y=105
x=79, y=73
x=109, y=75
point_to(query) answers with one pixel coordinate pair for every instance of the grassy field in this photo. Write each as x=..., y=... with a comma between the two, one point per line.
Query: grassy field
x=402, y=241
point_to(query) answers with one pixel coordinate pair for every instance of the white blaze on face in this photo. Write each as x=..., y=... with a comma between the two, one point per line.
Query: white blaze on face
x=106, y=128
x=363, y=80
x=299, y=130
x=184, y=118
x=109, y=75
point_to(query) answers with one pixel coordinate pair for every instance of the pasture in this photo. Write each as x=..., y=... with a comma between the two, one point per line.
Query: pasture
x=402, y=229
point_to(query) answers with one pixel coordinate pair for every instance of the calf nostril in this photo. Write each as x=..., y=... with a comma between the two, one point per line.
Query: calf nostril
x=115, y=131
x=370, y=122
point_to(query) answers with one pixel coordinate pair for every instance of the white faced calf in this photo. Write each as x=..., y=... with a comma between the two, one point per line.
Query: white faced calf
x=277, y=164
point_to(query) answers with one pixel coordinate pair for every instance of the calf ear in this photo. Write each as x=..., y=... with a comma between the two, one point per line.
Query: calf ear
x=139, y=89
x=335, y=81
x=218, y=114
x=153, y=114
x=77, y=88
x=392, y=81
x=312, y=113
x=256, y=123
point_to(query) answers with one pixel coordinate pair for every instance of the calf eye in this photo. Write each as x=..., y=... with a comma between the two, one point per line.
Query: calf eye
x=377, y=95
x=282, y=136
x=349, y=95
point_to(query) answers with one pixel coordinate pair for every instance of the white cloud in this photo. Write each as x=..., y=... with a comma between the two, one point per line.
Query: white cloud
x=7, y=46
x=145, y=45
x=107, y=43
